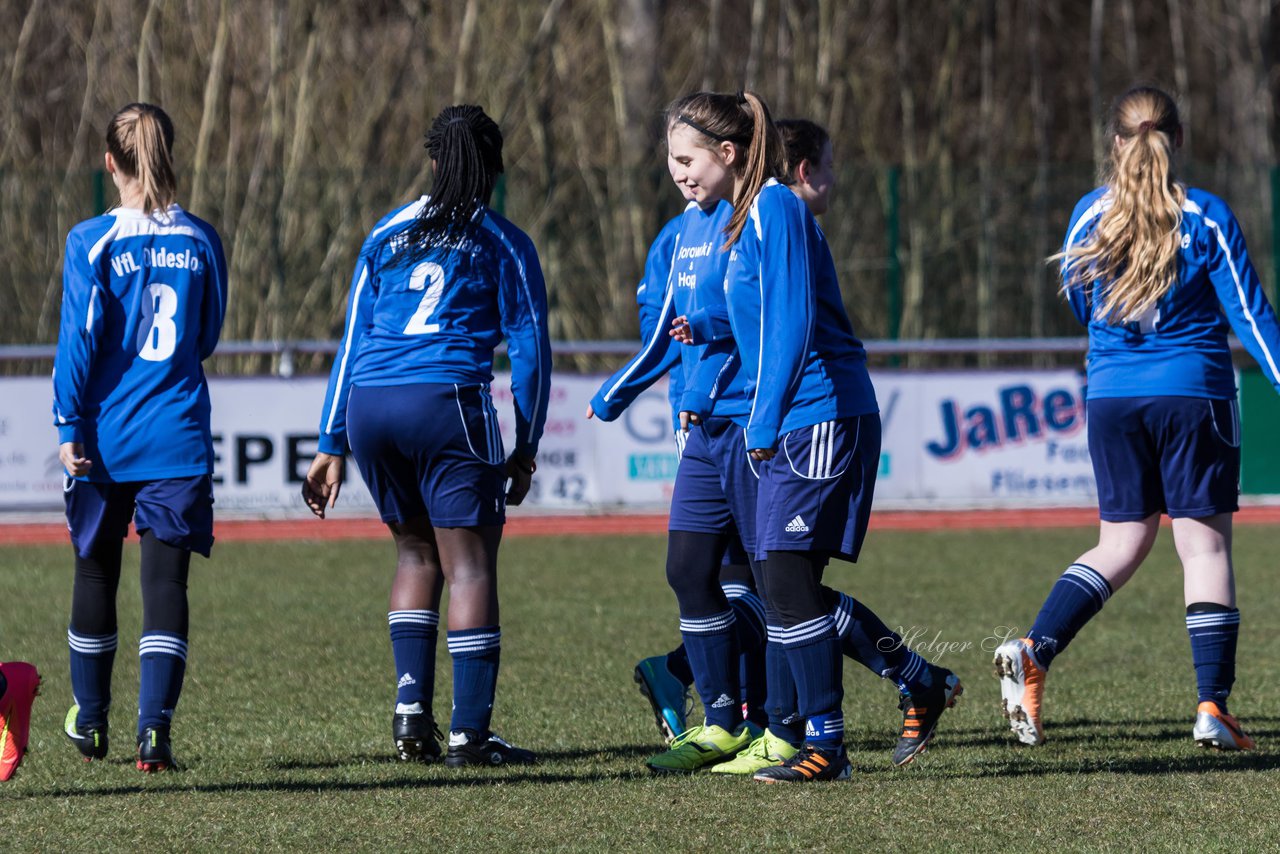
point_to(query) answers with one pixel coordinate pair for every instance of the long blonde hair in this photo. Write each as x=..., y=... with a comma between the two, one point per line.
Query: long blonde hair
x=743, y=120
x=140, y=139
x=1134, y=249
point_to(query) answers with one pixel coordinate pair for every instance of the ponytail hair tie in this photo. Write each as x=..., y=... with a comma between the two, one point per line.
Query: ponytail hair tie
x=742, y=97
x=1144, y=127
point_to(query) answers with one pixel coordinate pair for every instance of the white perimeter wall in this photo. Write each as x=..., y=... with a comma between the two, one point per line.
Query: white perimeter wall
x=994, y=439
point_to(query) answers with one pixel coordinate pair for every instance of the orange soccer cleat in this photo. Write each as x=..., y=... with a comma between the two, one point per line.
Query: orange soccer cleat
x=1216, y=728
x=1021, y=688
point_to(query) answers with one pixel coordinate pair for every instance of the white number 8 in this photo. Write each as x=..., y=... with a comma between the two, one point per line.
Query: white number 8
x=159, y=307
x=418, y=279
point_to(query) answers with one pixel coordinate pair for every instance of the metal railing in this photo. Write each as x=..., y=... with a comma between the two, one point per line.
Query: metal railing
x=288, y=351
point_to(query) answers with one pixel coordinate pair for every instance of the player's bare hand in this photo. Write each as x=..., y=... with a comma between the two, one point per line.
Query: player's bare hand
x=71, y=455
x=761, y=454
x=324, y=481
x=591, y=413
x=520, y=471
x=687, y=418
x=681, y=331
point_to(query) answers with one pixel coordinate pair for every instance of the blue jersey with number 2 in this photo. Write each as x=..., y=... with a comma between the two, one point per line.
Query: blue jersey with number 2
x=143, y=298
x=439, y=319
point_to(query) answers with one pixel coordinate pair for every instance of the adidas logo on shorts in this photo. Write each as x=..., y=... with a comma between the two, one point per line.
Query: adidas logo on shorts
x=797, y=526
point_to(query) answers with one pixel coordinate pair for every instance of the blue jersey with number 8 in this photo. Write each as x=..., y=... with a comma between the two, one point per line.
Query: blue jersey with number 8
x=143, y=298
x=438, y=320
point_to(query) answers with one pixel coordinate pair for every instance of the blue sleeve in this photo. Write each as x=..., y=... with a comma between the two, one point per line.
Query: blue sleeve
x=214, y=311
x=649, y=314
x=718, y=362
x=1242, y=296
x=787, y=307
x=658, y=355
x=652, y=292
x=649, y=297
x=1081, y=304
x=523, y=306
x=1079, y=297
x=333, y=418
x=710, y=324
x=79, y=332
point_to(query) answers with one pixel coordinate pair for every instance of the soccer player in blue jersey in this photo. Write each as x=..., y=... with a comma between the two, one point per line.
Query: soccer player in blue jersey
x=812, y=432
x=1158, y=273
x=665, y=679
x=439, y=283
x=714, y=495
x=144, y=293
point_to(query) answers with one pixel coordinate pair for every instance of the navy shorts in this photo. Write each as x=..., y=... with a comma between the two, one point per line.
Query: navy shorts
x=430, y=450
x=179, y=510
x=1175, y=455
x=816, y=491
x=715, y=487
x=734, y=553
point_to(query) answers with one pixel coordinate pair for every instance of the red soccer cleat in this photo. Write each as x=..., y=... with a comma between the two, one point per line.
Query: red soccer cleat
x=15, y=713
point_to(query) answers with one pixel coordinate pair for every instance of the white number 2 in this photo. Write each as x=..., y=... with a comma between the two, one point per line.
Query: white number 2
x=159, y=307
x=426, y=276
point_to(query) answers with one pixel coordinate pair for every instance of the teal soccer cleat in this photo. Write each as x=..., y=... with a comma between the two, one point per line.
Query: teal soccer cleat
x=667, y=695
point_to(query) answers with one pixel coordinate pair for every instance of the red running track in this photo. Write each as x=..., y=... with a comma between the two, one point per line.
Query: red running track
x=259, y=530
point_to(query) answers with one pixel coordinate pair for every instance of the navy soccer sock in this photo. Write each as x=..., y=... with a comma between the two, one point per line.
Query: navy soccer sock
x=754, y=682
x=162, y=650
x=713, y=655
x=912, y=675
x=867, y=640
x=781, y=704
x=748, y=614
x=1076, y=597
x=413, y=645
x=678, y=665
x=1213, y=630
x=92, y=658
x=749, y=619
x=475, y=655
x=162, y=665
x=91, y=635
x=813, y=651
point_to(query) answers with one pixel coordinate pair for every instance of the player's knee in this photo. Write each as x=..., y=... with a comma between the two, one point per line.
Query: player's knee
x=795, y=592
x=693, y=571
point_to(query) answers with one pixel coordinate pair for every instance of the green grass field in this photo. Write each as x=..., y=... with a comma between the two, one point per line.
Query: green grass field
x=283, y=729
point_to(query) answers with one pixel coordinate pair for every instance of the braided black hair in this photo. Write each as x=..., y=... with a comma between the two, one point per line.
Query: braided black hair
x=466, y=146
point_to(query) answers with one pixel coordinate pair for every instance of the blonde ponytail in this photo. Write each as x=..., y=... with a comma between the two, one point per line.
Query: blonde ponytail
x=140, y=139
x=1134, y=249
x=765, y=159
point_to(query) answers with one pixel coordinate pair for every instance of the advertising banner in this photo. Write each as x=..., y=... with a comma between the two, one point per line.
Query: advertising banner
x=976, y=438
x=991, y=438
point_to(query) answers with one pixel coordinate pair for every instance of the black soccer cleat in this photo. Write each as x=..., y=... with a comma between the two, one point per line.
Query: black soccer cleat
x=811, y=764
x=92, y=743
x=920, y=714
x=155, y=753
x=417, y=737
x=468, y=747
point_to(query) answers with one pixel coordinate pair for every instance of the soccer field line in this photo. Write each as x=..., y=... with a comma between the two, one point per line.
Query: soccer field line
x=260, y=530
